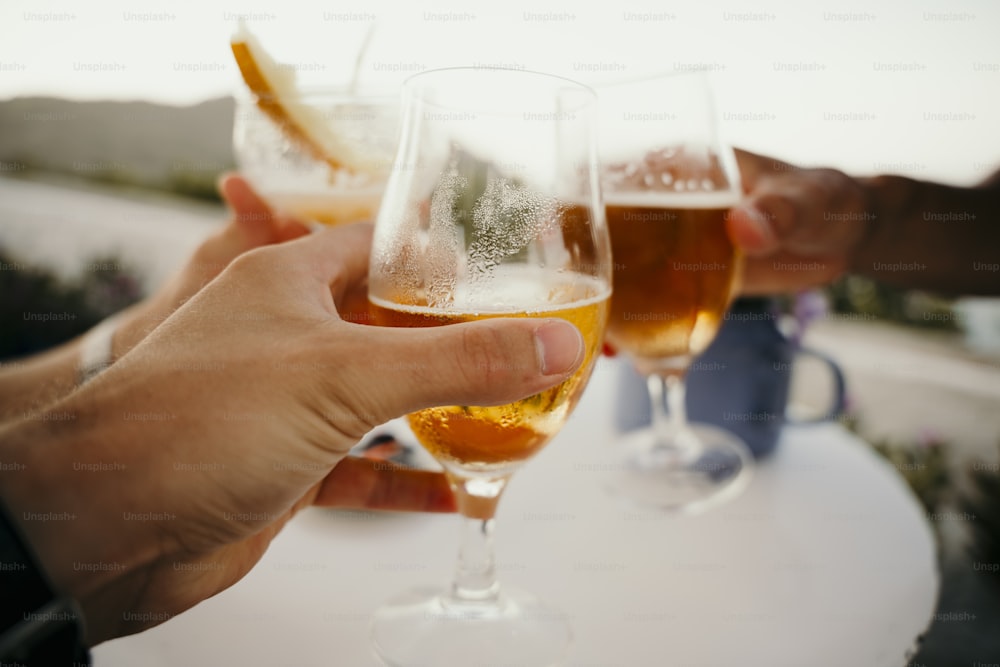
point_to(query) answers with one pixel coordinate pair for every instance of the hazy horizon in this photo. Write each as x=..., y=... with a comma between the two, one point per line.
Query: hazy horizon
x=912, y=89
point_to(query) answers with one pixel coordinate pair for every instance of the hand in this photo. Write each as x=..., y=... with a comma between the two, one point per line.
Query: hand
x=252, y=225
x=798, y=227
x=237, y=412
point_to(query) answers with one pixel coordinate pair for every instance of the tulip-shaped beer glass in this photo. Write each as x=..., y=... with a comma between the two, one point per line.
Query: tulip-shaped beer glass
x=492, y=210
x=668, y=184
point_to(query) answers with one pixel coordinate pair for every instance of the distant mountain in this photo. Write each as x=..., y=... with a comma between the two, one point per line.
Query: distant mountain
x=139, y=143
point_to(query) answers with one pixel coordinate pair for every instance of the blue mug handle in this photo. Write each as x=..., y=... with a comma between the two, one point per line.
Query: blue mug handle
x=839, y=389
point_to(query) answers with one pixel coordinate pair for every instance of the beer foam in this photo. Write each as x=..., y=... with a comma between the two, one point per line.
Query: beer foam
x=685, y=200
x=517, y=291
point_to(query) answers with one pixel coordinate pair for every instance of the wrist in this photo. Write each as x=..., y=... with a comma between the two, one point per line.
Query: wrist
x=96, y=349
x=112, y=338
x=134, y=324
x=882, y=196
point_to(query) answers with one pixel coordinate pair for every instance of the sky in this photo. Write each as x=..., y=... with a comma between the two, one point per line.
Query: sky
x=868, y=87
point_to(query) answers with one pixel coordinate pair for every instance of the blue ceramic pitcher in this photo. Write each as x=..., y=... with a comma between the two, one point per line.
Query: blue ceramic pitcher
x=740, y=383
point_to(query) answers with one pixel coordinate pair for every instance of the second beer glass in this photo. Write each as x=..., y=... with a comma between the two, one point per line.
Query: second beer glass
x=668, y=184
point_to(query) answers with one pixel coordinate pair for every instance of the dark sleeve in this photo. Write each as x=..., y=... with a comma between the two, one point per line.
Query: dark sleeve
x=37, y=626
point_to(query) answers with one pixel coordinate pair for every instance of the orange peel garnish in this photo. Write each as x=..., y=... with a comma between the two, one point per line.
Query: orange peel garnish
x=277, y=95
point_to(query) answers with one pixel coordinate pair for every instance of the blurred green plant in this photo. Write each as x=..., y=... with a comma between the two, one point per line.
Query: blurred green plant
x=195, y=184
x=982, y=501
x=976, y=493
x=924, y=466
x=191, y=183
x=39, y=311
x=857, y=294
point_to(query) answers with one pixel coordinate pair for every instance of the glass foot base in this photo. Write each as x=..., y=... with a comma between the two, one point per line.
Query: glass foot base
x=425, y=627
x=716, y=467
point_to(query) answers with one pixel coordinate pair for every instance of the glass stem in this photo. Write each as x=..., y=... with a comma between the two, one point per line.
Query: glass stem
x=475, y=576
x=669, y=412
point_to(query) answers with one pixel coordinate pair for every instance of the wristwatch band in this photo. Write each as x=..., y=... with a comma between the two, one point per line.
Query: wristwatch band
x=96, y=350
x=37, y=627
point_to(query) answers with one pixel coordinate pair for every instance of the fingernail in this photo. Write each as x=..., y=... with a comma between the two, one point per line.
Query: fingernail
x=559, y=346
x=219, y=181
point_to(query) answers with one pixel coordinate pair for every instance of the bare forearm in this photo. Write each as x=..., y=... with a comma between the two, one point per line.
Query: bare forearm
x=932, y=236
x=30, y=384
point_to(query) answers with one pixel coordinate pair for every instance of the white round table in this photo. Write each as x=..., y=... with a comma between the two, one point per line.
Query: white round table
x=826, y=559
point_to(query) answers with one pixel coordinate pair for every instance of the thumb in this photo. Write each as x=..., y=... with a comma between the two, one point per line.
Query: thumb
x=489, y=362
x=767, y=212
x=751, y=224
x=809, y=211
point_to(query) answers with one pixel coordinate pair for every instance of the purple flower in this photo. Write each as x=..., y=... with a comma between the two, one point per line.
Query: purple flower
x=808, y=307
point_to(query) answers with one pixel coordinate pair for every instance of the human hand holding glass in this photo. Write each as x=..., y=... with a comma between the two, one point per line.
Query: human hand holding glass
x=669, y=182
x=492, y=210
